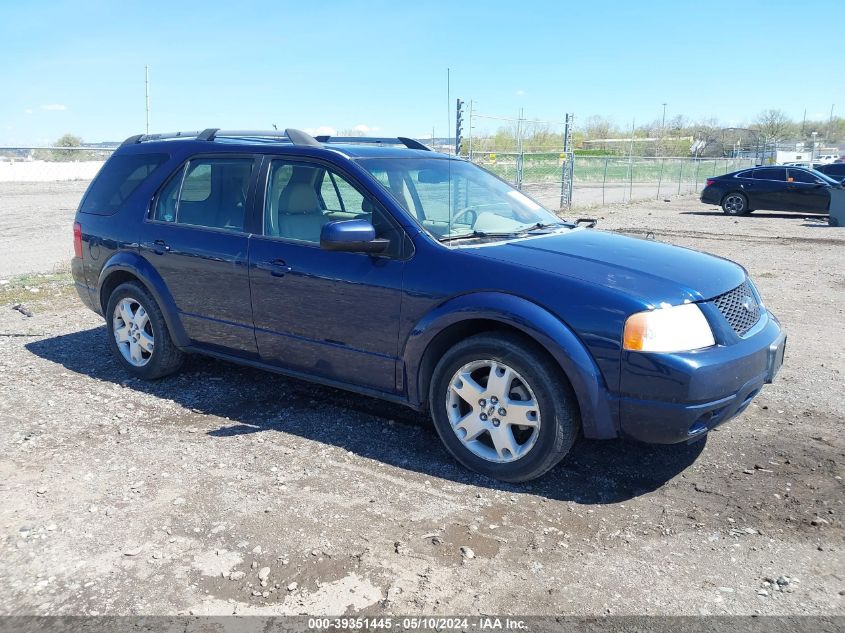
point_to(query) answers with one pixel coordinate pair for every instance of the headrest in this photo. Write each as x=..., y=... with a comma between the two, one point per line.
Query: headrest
x=301, y=199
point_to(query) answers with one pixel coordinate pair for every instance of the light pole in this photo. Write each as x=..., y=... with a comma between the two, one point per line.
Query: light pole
x=813, y=150
x=147, y=96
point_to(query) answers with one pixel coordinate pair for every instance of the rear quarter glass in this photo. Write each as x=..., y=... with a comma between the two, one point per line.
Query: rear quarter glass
x=118, y=178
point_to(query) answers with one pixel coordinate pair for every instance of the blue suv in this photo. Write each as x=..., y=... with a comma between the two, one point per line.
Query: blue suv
x=379, y=266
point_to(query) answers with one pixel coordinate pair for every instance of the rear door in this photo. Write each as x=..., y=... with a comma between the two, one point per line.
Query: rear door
x=197, y=238
x=769, y=189
x=805, y=192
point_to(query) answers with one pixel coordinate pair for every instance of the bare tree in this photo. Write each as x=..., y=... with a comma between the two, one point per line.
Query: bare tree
x=774, y=125
x=596, y=127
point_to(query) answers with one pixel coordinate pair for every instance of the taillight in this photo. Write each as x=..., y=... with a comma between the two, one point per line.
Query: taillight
x=77, y=240
x=710, y=181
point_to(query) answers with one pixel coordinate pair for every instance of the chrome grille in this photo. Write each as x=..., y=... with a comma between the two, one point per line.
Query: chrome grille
x=740, y=307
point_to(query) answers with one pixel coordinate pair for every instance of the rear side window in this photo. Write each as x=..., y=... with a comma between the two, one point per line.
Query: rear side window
x=771, y=173
x=118, y=178
x=208, y=192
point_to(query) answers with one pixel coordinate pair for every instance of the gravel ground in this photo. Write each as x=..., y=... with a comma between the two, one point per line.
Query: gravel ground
x=36, y=225
x=228, y=490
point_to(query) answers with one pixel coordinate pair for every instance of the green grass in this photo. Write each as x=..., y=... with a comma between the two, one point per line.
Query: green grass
x=36, y=288
x=543, y=168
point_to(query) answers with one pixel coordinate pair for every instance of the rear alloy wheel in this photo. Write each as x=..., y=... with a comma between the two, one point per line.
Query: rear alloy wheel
x=500, y=407
x=735, y=204
x=138, y=334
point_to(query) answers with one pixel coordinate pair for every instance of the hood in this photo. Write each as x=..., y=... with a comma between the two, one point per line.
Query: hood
x=643, y=269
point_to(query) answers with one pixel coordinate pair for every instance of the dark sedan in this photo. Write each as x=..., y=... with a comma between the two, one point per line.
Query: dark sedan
x=774, y=188
x=833, y=170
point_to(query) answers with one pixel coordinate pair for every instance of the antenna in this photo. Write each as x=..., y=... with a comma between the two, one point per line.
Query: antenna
x=448, y=134
x=147, y=95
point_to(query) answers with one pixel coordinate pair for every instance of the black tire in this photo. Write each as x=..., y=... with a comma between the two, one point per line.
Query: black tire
x=558, y=414
x=165, y=357
x=735, y=203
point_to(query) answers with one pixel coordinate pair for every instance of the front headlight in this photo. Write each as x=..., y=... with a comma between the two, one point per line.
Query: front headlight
x=673, y=329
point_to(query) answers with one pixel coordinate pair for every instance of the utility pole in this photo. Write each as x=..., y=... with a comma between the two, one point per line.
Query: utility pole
x=662, y=129
x=147, y=95
x=830, y=125
x=470, y=130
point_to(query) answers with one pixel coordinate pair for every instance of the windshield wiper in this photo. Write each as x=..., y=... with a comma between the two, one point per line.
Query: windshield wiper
x=471, y=236
x=537, y=227
x=483, y=234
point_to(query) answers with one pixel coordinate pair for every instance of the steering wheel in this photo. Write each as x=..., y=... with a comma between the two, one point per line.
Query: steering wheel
x=465, y=211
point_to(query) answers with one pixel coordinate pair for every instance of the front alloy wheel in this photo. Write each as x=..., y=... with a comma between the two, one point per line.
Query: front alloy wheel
x=493, y=411
x=502, y=406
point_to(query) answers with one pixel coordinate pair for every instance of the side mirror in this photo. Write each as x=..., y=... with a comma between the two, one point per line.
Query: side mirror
x=351, y=236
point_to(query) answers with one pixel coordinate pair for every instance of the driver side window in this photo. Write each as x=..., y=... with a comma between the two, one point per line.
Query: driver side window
x=302, y=198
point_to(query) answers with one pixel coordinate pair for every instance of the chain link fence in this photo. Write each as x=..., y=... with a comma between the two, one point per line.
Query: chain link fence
x=603, y=180
x=530, y=155
x=596, y=180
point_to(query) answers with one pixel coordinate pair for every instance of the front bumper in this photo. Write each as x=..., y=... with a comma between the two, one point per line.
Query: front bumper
x=670, y=398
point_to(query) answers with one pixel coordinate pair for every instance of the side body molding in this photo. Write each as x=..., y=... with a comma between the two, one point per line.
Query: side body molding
x=131, y=262
x=599, y=410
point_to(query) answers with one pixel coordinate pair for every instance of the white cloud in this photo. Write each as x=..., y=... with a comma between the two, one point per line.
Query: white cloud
x=323, y=130
x=54, y=107
x=520, y=92
x=364, y=129
x=28, y=111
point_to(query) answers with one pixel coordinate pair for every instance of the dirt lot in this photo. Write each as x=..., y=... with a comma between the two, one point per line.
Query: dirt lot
x=227, y=490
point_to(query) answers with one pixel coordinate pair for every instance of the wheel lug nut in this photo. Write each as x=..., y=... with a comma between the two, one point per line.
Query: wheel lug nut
x=483, y=417
x=503, y=412
x=496, y=421
x=482, y=402
x=494, y=399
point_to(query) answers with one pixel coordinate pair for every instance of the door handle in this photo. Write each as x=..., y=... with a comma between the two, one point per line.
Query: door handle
x=276, y=267
x=159, y=247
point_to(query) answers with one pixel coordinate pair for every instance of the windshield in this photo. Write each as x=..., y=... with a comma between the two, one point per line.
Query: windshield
x=453, y=198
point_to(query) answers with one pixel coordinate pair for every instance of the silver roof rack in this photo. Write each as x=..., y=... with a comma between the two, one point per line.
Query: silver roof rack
x=289, y=135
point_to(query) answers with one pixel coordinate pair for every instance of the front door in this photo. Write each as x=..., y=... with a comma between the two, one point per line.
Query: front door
x=197, y=240
x=806, y=193
x=326, y=313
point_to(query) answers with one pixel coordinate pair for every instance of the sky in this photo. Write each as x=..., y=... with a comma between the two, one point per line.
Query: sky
x=381, y=66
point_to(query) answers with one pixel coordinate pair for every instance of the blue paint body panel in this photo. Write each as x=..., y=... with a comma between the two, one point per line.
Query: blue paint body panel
x=365, y=321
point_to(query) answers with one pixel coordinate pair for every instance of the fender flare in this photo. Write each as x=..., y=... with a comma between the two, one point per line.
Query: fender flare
x=599, y=411
x=139, y=267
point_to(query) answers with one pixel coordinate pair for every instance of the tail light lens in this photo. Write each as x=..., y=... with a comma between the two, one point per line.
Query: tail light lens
x=77, y=240
x=710, y=181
